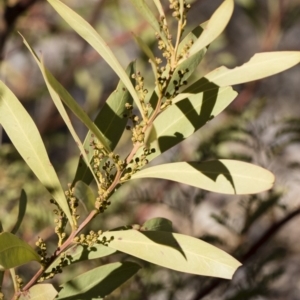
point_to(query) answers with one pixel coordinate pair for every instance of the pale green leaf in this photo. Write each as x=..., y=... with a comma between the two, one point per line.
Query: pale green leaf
x=79, y=253
x=22, y=210
x=56, y=90
x=261, y=65
x=174, y=251
x=88, y=33
x=15, y=252
x=147, y=14
x=99, y=282
x=182, y=119
x=215, y=26
x=26, y=138
x=64, y=95
x=110, y=121
x=158, y=224
x=55, y=87
x=43, y=291
x=221, y=176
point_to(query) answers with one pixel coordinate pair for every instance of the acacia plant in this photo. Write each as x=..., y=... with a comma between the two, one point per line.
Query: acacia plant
x=159, y=116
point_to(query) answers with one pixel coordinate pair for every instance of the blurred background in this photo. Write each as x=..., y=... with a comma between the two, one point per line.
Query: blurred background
x=261, y=126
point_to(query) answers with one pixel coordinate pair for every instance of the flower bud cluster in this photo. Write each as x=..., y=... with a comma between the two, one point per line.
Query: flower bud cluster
x=137, y=124
x=102, y=201
x=161, y=77
x=55, y=270
x=89, y=239
x=184, y=53
x=165, y=48
x=60, y=222
x=42, y=251
x=73, y=203
x=105, y=165
x=142, y=92
x=137, y=164
x=175, y=6
x=19, y=282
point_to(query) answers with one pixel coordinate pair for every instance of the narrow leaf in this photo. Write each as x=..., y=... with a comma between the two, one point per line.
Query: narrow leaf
x=221, y=176
x=15, y=252
x=55, y=87
x=26, y=138
x=88, y=33
x=215, y=26
x=57, y=101
x=110, y=121
x=22, y=210
x=43, y=291
x=99, y=282
x=73, y=105
x=174, y=251
x=158, y=224
x=261, y=65
x=185, y=117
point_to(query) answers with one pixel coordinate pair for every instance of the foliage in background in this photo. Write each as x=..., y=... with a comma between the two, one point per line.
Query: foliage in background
x=159, y=136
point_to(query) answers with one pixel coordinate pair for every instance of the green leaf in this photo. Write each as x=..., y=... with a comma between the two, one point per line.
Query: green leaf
x=215, y=26
x=147, y=14
x=84, y=193
x=261, y=65
x=221, y=176
x=79, y=253
x=26, y=138
x=22, y=210
x=158, y=224
x=110, y=121
x=182, y=119
x=99, y=282
x=43, y=291
x=63, y=94
x=88, y=33
x=57, y=101
x=174, y=251
x=15, y=252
